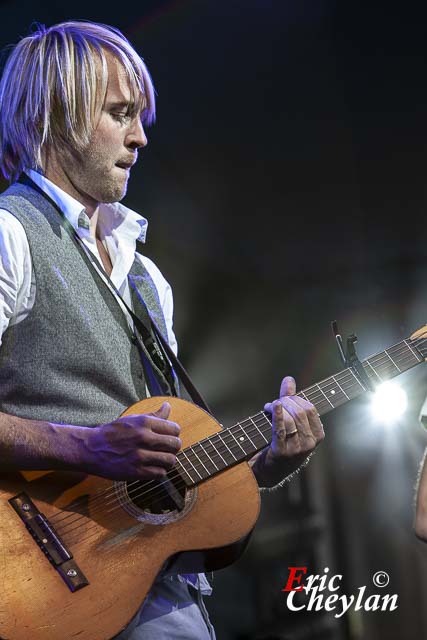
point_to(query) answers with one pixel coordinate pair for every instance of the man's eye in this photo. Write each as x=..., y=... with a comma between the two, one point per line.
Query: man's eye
x=120, y=117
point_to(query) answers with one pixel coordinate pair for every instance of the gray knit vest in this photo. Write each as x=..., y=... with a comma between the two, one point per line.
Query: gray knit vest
x=73, y=359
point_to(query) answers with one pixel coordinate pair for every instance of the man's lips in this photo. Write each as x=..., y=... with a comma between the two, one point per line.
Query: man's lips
x=125, y=164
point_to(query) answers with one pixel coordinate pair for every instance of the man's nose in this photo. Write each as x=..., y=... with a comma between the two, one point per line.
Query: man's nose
x=137, y=137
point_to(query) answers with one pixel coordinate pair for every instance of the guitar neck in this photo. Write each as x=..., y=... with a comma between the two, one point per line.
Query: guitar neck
x=240, y=441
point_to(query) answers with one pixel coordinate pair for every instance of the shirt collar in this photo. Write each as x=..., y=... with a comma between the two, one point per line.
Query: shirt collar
x=111, y=215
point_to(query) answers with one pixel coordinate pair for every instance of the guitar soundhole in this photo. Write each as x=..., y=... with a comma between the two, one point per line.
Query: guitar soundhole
x=156, y=502
x=162, y=497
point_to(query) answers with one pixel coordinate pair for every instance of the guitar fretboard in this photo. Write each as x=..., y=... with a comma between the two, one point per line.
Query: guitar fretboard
x=237, y=443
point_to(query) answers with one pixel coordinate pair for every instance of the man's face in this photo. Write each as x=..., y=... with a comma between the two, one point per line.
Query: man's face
x=101, y=172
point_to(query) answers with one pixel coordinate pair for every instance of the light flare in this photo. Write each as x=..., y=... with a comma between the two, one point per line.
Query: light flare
x=389, y=403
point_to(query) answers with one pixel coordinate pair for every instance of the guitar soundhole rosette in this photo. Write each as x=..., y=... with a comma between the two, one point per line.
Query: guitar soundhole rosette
x=151, y=503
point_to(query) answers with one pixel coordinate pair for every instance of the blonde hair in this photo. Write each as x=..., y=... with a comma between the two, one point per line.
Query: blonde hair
x=53, y=87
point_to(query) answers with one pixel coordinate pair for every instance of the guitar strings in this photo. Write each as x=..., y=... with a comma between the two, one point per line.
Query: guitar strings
x=255, y=421
x=95, y=525
x=157, y=485
x=112, y=491
x=349, y=374
x=68, y=530
x=221, y=449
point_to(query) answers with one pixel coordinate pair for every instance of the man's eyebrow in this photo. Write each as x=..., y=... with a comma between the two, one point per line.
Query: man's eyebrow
x=123, y=104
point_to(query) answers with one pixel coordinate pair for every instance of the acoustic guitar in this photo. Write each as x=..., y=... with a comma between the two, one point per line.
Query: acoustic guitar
x=79, y=553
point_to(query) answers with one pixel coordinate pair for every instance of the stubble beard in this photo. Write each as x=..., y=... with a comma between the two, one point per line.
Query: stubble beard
x=110, y=189
x=103, y=183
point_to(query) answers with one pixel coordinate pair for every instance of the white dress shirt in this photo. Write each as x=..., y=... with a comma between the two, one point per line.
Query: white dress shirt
x=119, y=227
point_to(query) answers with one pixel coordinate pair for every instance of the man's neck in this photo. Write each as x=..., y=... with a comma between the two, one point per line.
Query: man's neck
x=54, y=172
x=90, y=205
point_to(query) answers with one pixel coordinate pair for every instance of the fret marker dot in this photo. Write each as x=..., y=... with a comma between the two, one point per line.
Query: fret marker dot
x=332, y=392
x=241, y=439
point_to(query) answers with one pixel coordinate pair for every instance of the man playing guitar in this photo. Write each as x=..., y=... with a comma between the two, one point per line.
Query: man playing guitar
x=74, y=103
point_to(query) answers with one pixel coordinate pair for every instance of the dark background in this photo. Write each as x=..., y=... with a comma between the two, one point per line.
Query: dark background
x=284, y=182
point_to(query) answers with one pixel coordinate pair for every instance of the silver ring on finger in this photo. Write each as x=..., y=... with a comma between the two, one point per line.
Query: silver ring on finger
x=290, y=434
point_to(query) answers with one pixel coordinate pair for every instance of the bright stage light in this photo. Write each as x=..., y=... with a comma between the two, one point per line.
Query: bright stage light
x=389, y=402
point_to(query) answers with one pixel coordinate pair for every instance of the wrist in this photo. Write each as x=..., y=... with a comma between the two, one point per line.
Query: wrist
x=266, y=468
x=273, y=469
x=72, y=451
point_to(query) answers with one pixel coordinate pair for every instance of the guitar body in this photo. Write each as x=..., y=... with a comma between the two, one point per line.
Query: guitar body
x=119, y=547
x=109, y=540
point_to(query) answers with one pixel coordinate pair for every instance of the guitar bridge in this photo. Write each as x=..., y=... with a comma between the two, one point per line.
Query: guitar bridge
x=49, y=541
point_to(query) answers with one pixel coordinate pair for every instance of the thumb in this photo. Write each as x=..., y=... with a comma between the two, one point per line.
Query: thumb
x=288, y=387
x=163, y=412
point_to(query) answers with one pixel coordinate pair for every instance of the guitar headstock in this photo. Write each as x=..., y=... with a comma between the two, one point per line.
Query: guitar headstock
x=419, y=338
